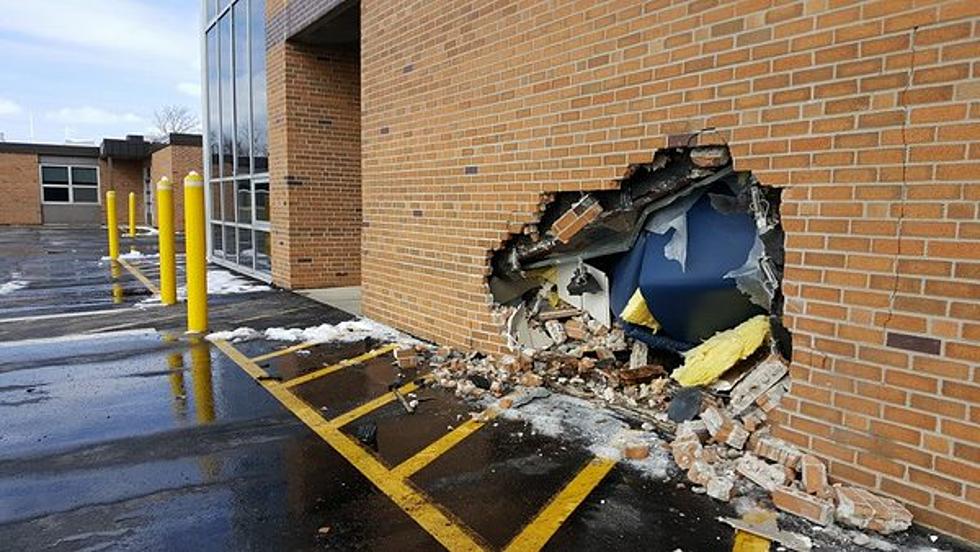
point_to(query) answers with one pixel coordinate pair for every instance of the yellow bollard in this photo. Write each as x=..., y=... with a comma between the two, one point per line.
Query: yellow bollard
x=196, y=249
x=132, y=215
x=113, y=223
x=165, y=240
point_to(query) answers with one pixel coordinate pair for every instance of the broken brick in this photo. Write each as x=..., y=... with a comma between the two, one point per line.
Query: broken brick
x=763, y=377
x=723, y=429
x=636, y=451
x=766, y=475
x=801, y=504
x=814, y=475
x=775, y=449
x=710, y=156
x=406, y=357
x=576, y=330
x=700, y=472
x=686, y=449
x=771, y=398
x=754, y=420
x=575, y=219
x=642, y=374
x=556, y=331
x=720, y=488
x=531, y=379
x=865, y=510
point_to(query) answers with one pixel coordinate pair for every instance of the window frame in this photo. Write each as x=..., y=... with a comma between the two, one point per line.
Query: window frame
x=71, y=184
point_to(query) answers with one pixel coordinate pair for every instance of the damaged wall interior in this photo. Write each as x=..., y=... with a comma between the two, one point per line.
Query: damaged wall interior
x=662, y=299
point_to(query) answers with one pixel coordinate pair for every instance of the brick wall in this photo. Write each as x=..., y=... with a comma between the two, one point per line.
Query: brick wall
x=175, y=162
x=314, y=160
x=125, y=177
x=20, y=189
x=868, y=113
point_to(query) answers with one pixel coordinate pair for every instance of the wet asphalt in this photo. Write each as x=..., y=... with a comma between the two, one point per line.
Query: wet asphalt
x=119, y=432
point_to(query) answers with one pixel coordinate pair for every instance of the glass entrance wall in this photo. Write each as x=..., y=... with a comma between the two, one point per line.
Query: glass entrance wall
x=236, y=135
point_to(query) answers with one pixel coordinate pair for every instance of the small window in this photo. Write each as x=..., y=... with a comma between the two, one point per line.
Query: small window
x=68, y=184
x=54, y=175
x=84, y=176
x=86, y=195
x=56, y=195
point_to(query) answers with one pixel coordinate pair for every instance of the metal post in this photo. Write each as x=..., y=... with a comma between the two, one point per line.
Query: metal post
x=132, y=214
x=113, y=223
x=165, y=240
x=196, y=247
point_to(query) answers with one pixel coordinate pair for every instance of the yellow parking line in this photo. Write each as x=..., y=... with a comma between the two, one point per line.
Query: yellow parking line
x=338, y=366
x=444, y=527
x=537, y=533
x=287, y=350
x=425, y=456
x=140, y=276
x=370, y=406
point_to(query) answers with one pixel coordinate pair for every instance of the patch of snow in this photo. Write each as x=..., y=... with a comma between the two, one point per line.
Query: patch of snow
x=601, y=432
x=12, y=286
x=222, y=282
x=133, y=255
x=344, y=332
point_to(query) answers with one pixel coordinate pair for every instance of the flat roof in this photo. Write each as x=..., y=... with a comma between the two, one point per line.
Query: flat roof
x=131, y=147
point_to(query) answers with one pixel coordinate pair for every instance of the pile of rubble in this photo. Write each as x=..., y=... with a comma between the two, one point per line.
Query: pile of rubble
x=718, y=433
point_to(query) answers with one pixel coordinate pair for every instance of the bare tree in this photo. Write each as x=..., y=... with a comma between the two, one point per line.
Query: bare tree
x=174, y=119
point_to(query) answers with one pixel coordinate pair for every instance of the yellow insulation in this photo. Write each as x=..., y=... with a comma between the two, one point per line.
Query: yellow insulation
x=709, y=360
x=637, y=312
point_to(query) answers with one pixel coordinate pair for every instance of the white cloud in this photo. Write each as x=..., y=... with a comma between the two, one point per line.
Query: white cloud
x=128, y=29
x=8, y=107
x=88, y=115
x=192, y=89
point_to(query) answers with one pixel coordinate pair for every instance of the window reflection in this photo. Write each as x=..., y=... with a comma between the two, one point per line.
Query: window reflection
x=242, y=105
x=237, y=132
x=260, y=127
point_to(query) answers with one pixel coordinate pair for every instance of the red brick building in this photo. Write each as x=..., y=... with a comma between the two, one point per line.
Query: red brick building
x=408, y=142
x=66, y=184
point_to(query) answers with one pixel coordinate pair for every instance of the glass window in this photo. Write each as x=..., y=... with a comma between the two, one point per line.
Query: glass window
x=242, y=101
x=215, y=200
x=244, y=201
x=212, y=9
x=84, y=176
x=230, y=241
x=260, y=127
x=262, y=201
x=228, y=202
x=263, y=251
x=214, y=118
x=85, y=195
x=246, y=255
x=54, y=175
x=217, y=249
x=52, y=194
x=227, y=94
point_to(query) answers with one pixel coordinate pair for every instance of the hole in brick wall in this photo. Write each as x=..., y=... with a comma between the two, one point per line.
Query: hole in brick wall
x=686, y=248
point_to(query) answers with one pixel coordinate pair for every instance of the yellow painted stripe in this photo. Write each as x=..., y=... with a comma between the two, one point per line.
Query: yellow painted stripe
x=287, y=350
x=339, y=366
x=370, y=406
x=140, y=276
x=425, y=456
x=747, y=542
x=537, y=533
x=445, y=528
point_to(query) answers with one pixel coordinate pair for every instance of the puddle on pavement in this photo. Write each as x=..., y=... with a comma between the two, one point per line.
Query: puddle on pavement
x=341, y=391
x=499, y=478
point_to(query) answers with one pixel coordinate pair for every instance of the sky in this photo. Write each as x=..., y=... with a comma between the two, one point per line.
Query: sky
x=84, y=70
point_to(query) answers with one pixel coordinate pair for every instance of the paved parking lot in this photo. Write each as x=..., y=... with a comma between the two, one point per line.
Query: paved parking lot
x=121, y=432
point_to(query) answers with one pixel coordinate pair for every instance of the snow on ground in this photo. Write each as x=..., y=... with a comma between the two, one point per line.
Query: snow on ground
x=133, y=255
x=344, y=332
x=601, y=432
x=12, y=286
x=222, y=282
